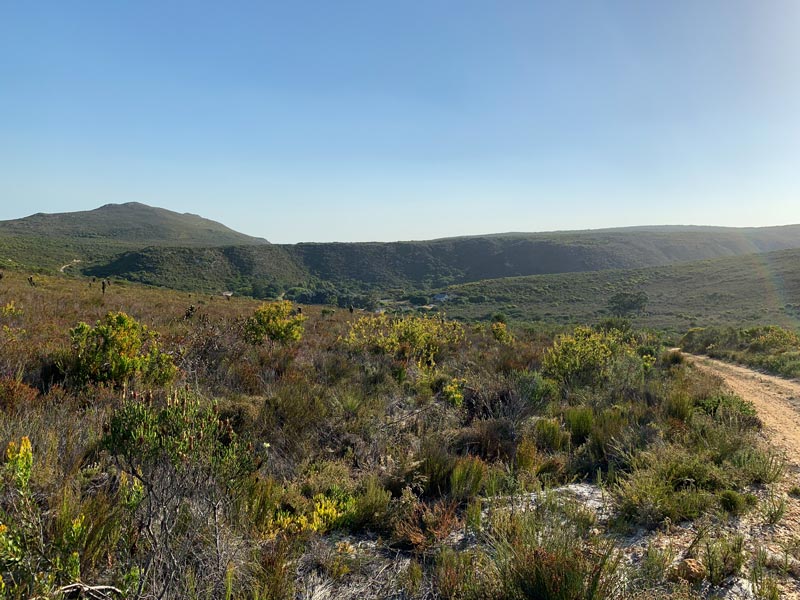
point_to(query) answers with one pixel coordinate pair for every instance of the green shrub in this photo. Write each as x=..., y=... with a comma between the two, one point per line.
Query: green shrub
x=587, y=357
x=371, y=506
x=117, y=349
x=276, y=322
x=723, y=557
x=463, y=575
x=544, y=555
x=549, y=435
x=773, y=507
x=501, y=333
x=437, y=467
x=759, y=466
x=183, y=466
x=679, y=405
x=673, y=483
x=534, y=389
x=418, y=339
x=733, y=502
x=466, y=480
x=579, y=420
x=453, y=391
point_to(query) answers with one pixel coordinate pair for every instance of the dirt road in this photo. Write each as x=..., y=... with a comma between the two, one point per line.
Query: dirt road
x=75, y=261
x=777, y=401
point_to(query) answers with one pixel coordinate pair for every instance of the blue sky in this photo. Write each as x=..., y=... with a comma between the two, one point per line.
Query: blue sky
x=379, y=120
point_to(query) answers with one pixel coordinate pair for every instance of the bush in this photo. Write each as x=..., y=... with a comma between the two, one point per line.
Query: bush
x=183, y=468
x=545, y=555
x=501, y=333
x=276, y=322
x=586, y=357
x=15, y=394
x=464, y=575
x=117, y=349
x=578, y=420
x=723, y=558
x=550, y=436
x=466, y=480
x=371, y=506
x=733, y=502
x=420, y=526
x=672, y=483
x=417, y=339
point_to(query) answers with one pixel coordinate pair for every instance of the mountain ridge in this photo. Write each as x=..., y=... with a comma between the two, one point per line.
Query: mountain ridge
x=185, y=251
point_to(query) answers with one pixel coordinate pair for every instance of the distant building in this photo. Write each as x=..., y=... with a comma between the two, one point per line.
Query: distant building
x=441, y=297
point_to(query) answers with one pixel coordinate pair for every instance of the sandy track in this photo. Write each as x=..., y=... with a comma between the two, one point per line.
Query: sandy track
x=777, y=401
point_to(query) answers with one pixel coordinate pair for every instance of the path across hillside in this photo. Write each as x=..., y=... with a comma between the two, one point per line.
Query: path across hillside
x=777, y=400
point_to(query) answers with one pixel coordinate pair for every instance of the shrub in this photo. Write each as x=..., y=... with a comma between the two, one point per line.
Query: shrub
x=672, y=483
x=543, y=554
x=625, y=303
x=586, y=357
x=437, y=467
x=501, y=333
x=550, y=436
x=371, y=506
x=421, y=526
x=578, y=420
x=185, y=467
x=759, y=466
x=723, y=557
x=15, y=395
x=45, y=547
x=117, y=349
x=276, y=322
x=419, y=339
x=466, y=480
x=491, y=439
x=464, y=575
x=773, y=507
x=733, y=502
x=453, y=391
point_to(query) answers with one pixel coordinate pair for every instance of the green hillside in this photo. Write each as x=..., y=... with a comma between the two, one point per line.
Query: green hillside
x=51, y=240
x=252, y=270
x=183, y=251
x=743, y=290
x=466, y=259
x=426, y=265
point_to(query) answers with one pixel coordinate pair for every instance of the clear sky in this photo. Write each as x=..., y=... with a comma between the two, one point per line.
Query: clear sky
x=386, y=120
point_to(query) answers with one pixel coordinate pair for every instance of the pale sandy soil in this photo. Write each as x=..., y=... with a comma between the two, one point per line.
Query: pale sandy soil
x=777, y=401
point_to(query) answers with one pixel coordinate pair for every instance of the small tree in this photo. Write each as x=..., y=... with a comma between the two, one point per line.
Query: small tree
x=117, y=349
x=626, y=303
x=276, y=322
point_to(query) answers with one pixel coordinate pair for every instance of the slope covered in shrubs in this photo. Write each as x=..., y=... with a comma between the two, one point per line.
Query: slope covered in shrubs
x=162, y=452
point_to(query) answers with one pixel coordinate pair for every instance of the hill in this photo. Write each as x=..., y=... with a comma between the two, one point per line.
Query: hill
x=159, y=247
x=49, y=240
x=742, y=290
x=345, y=268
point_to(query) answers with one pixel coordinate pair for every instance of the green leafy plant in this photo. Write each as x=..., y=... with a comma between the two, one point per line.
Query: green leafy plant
x=117, y=349
x=276, y=322
x=420, y=340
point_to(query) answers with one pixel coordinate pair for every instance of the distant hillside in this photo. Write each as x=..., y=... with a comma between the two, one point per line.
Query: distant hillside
x=508, y=255
x=49, y=240
x=183, y=251
x=251, y=270
x=359, y=267
x=742, y=291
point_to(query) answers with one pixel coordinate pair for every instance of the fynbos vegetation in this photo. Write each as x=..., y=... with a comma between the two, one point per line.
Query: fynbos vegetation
x=253, y=451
